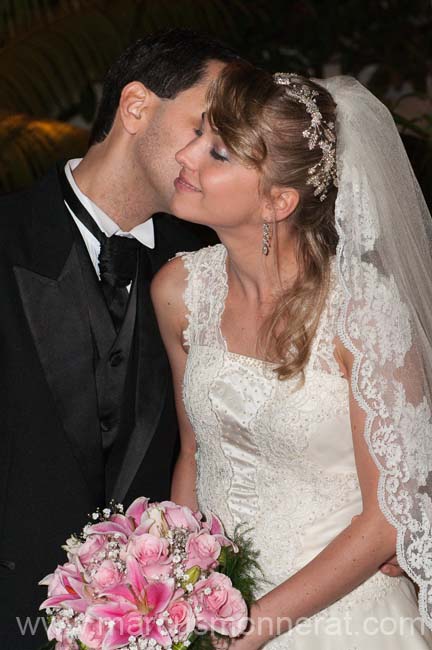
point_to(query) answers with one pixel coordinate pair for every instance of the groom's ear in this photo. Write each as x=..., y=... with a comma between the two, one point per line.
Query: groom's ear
x=135, y=102
x=281, y=202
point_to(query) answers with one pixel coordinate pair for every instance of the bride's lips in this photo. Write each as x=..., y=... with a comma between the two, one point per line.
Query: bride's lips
x=183, y=185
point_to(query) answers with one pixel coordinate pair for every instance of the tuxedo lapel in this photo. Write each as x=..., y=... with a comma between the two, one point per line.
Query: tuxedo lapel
x=54, y=300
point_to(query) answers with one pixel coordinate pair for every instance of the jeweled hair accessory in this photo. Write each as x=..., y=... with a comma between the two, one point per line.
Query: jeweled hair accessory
x=320, y=134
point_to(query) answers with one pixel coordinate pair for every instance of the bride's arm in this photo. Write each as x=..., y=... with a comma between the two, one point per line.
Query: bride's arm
x=350, y=559
x=167, y=295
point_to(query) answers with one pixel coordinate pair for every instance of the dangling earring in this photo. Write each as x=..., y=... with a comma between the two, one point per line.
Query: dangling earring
x=267, y=233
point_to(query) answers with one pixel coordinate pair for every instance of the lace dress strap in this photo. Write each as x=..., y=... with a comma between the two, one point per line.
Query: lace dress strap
x=205, y=294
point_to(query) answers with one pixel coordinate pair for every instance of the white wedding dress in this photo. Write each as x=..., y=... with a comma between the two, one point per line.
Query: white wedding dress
x=282, y=462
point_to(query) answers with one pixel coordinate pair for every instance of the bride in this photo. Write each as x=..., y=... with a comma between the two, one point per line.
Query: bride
x=301, y=355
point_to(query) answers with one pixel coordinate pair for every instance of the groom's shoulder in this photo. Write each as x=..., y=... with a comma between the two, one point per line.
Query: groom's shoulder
x=17, y=208
x=15, y=215
x=14, y=205
x=31, y=222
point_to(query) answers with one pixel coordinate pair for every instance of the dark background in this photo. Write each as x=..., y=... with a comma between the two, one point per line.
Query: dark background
x=54, y=54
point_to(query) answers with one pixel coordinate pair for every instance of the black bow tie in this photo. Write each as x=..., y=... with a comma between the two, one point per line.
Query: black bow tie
x=118, y=257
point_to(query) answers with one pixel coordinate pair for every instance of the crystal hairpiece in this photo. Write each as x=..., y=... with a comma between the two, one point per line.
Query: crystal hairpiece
x=320, y=133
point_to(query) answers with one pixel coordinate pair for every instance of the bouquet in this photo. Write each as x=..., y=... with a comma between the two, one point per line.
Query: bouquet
x=157, y=576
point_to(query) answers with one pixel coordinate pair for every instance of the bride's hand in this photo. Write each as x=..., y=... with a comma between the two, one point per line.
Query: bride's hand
x=244, y=643
x=391, y=568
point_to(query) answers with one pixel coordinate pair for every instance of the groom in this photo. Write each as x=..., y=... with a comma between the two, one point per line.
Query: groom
x=87, y=410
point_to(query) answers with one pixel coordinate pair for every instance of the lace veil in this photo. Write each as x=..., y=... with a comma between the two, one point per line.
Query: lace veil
x=385, y=266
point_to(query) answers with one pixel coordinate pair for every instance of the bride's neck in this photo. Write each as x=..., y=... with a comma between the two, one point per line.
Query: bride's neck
x=260, y=276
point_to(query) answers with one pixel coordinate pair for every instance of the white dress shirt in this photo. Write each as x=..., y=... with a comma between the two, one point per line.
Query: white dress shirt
x=144, y=232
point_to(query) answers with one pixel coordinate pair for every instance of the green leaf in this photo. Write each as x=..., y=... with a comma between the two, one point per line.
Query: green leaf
x=81, y=646
x=49, y=646
x=192, y=575
x=203, y=641
x=222, y=559
x=243, y=568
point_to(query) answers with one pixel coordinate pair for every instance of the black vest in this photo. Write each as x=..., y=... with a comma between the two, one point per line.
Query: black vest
x=111, y=350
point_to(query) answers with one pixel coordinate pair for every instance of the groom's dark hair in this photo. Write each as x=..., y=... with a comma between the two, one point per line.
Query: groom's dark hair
x=167, y=63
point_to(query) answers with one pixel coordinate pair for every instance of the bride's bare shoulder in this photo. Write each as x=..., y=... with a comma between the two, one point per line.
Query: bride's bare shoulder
x=169, y=283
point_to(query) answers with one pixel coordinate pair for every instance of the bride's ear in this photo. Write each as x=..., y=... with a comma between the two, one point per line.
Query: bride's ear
x=134, y=104
x=281, y=203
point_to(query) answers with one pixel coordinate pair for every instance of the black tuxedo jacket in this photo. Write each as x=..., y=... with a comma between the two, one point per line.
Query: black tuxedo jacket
x=52, y=469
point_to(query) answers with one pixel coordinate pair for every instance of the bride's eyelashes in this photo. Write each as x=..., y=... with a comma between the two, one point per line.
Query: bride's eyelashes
x=213, y=151
x=218, y=156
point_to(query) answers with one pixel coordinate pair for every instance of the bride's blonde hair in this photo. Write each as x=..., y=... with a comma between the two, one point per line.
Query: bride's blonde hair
x=263, y=126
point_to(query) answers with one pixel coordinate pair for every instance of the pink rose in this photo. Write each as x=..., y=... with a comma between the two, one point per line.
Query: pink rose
x=219, y=606
x=181, y=621
x=203, y=550
x=93, y=632
x=152, y=553
x=87, y=552
x=107, y=575
x=180, y=516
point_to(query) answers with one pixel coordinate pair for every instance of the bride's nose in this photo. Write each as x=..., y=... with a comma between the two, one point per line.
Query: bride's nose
x=185, y=157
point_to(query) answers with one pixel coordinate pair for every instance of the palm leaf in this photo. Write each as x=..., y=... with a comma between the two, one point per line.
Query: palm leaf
x=17, y=16
x=44, y=71
x=33, y=146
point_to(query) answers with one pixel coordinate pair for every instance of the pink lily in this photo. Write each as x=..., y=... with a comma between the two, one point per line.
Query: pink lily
x=215, y=528
x=136, y=510
x=67, y=589
x=134, y=606
x=180, y=516
x=116, y=525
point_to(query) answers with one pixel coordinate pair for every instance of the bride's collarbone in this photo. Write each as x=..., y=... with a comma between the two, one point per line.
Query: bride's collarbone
x=243, y=330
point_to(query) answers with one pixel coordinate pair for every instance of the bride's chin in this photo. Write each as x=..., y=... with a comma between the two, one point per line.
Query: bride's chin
x=184, y=216
x=182, y=213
